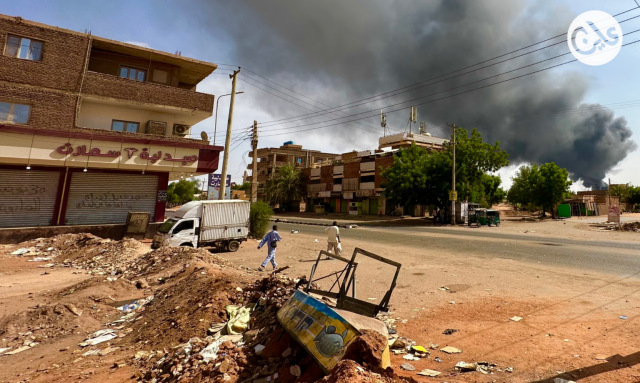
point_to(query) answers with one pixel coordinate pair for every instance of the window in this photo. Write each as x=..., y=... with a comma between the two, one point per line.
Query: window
x=160, y=76
x=24, y=48
x=16, y=113
x=125, y=126
x=368, y=178
x=184, y=225
x=133, y=73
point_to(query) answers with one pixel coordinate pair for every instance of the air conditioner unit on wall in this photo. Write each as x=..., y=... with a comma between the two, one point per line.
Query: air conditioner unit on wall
x=156, y=127
x=180, y=130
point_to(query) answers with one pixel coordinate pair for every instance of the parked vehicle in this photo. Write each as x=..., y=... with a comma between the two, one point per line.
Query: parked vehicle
x=486, y=217
x=220, y=224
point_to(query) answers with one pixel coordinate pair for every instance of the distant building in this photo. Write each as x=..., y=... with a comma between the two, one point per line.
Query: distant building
x=271, y=159
x=405, y=140
x=91, y=128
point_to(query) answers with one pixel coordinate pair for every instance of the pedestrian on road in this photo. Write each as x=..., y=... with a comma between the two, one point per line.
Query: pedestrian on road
x=333, y=239
x=271, y=239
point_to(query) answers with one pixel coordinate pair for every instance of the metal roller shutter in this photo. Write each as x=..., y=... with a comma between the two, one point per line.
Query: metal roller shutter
x=102, y=198
x=27, y=197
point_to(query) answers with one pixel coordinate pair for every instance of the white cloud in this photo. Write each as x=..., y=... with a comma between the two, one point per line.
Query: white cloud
x=138, y=43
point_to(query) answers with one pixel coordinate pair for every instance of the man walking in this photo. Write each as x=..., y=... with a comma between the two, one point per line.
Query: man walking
x=333, y=238
x=271, y=239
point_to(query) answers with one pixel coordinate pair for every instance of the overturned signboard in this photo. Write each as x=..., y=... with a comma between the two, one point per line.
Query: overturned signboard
x=318, y=328
x=326, y=331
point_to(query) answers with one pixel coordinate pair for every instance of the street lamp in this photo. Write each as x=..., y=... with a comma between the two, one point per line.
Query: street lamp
x=215, y=130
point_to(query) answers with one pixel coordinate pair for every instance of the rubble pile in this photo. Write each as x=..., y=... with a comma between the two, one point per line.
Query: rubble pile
x=85, y=251
x=630, y=226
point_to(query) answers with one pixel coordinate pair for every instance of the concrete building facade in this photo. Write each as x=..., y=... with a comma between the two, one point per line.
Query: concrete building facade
x=91, y=129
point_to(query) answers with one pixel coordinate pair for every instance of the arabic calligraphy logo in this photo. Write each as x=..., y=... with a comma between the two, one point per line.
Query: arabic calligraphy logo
x=595, y=38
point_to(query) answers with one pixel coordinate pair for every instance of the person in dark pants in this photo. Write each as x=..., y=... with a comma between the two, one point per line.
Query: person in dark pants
x=271, y=239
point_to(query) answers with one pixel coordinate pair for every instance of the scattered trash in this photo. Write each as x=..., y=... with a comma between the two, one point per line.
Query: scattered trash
x=438, y=360
x=4, y=349
x=566, y=340
x=452, y=302
x=451, y=350
x=431, y=373
x=464, y=366
x=433, y=346
x=39, y=259
x=108, y=350
x=316, y=240
x=372, y=299
x=20, y=251
x=294, y=232
x=601, y=357
x=516, y=319
x=623, y=317
x=410, y=357
x=98, y=337
x=560, y=380
x=238, y=319
x=444, y=288
x=407, y=367
x=419, y=349
x=449, y=331
x=91, y=352
x=73, y=309
x=210, y=352
x=17, y=350
x=508, y=369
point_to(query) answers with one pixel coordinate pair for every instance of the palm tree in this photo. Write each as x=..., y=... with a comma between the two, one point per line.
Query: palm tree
x=286, y=186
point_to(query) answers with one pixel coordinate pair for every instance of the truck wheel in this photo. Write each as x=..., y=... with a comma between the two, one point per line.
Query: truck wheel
x=233, y=246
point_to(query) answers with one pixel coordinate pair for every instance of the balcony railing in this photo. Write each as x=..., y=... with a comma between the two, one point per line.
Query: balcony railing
x=316, y=188
x=367, y=185
x=350, y=184
x=110, y=86
x=337, y=188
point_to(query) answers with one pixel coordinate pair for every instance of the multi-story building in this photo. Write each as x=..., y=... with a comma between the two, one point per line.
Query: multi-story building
x=271, y=159
x=91, y=129
x=353, y=183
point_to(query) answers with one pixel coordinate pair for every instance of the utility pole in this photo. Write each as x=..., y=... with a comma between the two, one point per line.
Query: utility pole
x=227, y=143
x=453, y=197
x=254, y=170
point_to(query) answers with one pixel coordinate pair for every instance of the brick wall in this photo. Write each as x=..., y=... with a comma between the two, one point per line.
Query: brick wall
x=381, y=164
x=63, y=56
x=111, y=86
x=326, y=174
x=352, y=170
x=49, y=110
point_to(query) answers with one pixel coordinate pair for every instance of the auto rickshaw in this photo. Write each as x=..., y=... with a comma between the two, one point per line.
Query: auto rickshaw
x=486, y=217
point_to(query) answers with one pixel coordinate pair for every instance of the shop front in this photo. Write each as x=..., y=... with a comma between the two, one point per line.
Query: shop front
x=53, y=178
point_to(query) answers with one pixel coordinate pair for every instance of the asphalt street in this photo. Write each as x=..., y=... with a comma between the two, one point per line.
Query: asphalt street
x=612, y=257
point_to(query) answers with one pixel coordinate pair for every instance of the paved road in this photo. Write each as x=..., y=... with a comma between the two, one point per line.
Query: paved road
x=617, y=258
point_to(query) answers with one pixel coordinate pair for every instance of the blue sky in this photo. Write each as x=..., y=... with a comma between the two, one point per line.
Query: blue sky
x=171, y=25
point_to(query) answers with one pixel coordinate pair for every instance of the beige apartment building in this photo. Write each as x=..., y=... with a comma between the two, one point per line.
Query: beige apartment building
x=91, y=128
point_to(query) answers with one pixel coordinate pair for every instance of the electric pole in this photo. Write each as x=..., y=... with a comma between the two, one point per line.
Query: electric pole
x=227, y=143
x=254, y=170
x=453, y=197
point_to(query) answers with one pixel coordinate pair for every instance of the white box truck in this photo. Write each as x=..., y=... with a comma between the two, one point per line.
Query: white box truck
x=220, y=224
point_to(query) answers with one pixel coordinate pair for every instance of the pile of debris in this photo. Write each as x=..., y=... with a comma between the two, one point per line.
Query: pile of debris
x=629, y=226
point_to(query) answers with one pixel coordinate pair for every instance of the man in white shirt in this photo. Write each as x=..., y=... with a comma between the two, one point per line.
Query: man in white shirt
x=333, y=238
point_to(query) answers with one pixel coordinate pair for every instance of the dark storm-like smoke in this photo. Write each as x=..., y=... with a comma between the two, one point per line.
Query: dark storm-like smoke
x=340, y=51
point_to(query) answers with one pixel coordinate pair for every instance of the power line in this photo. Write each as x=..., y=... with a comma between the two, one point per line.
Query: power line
x=415, y=86
x=445, y=97
x=432, y=94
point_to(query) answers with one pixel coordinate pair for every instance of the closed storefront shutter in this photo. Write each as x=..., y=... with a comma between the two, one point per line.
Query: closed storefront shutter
x=27, y=197
x=103, y=198
x=373, y=206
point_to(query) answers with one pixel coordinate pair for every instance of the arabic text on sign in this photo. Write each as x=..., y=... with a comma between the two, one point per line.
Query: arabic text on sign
x=81, y=150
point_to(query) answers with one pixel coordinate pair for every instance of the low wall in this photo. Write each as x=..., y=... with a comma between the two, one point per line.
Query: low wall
x=20, y=234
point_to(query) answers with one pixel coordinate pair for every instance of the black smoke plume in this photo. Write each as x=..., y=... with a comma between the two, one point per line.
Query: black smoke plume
x=339, y=51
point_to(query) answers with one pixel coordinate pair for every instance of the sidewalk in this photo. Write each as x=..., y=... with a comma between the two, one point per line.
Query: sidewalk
x=344, y=219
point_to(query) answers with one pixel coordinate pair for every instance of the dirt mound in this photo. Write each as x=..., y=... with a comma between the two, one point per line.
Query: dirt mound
x=86, y=251
x=367, y=349
x=350, y=371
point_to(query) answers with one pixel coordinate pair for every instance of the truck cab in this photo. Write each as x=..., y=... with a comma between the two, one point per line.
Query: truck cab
x=219, y=224
x=178, y=232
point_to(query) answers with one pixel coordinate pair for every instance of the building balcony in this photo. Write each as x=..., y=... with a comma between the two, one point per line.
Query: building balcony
x=337, y=188
x=316, y=188
x=107, y=86
x=367, y=185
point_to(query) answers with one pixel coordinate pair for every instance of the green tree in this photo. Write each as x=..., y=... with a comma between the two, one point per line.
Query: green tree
x=621, y=191
x=492, y=193
x=246, y=186
x=634, y=195
x=541, y=186
x=259, y=217
x=287, y=185
x=419, y=176
x=182, y=191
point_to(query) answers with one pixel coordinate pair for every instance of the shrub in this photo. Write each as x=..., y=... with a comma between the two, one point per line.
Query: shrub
x=259, y=219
